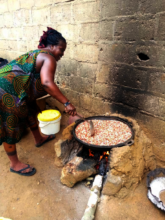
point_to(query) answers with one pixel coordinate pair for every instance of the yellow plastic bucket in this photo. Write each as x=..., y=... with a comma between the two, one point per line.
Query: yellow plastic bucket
x=49, y=121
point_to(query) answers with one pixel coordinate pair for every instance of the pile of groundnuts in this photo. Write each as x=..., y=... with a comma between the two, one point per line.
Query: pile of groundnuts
x=107, y=132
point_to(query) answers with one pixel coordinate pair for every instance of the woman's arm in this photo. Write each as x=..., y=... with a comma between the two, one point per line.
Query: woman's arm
x=47, y=80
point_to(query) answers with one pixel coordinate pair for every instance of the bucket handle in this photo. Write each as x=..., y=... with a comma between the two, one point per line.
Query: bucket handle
x=41, y=126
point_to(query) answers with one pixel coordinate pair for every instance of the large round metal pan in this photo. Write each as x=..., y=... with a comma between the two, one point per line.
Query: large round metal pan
x=105, y=148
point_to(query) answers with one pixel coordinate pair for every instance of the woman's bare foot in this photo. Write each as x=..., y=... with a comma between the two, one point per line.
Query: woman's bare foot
x=39, y=139
x=44, y=140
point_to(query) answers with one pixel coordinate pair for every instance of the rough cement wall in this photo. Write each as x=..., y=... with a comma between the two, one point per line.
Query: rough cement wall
x=101, y=70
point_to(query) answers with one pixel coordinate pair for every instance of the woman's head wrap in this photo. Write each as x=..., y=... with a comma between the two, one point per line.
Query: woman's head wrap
x=50, y=37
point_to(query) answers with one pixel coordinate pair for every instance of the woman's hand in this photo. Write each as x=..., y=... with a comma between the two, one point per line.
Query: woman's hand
x=70, y=109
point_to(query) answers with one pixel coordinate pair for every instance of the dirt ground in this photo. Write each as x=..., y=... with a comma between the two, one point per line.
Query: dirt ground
x=43, y=197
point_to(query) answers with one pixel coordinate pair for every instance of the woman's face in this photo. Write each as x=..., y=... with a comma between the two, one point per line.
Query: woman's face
x=58, y=50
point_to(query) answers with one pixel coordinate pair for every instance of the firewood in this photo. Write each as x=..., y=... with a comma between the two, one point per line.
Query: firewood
x=93, y=199
x=77, y=170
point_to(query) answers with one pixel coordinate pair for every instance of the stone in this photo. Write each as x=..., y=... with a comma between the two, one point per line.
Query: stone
x=155, y=125
x=103, y=91
x=103, y=73
x=86, y=12
x=12, y=45
x=63, y=81
x=3, y=44
x=61, y=13
x=41, y=16
x=87, y=53
x=77, y=170
x=67, y=67
x=81, y=85
x=15, y=5
x=16, y=34
x=111, y=8
x=89, y=32
x=106, y=30
x=17, y=18
x=156, y=55
x=26, y=4
x=135, y=29
x=30, y=33
x=21, y=46
x=86, y=102
x=31, y=45
x=151, y=6
x=87, y=70
x=133, y=77
x=43, y=3
x=156, y=82
x=69, y=32
x=8, y=19
x=162, y=107
x=151, y=104
x=132, y=98
x=95, y=105
x=26, y=16
x=5, y=33
x=1, y=21
x=124, y=53
x=112, y=185
x=4, y=6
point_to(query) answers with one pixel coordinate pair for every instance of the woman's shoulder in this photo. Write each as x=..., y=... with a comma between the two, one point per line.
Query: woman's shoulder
x=45, y=52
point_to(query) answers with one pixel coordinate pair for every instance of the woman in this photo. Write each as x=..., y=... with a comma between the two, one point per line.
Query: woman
x=22, y=81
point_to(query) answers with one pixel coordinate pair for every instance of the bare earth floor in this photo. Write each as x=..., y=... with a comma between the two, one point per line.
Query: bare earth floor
x=43, y=197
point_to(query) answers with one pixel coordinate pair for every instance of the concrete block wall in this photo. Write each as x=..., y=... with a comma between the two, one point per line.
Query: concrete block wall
x=104, y=68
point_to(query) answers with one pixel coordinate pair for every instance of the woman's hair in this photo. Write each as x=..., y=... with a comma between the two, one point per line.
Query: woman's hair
x=50, y=37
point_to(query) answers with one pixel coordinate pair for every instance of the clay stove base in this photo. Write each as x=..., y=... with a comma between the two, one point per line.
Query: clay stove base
x=128, y=164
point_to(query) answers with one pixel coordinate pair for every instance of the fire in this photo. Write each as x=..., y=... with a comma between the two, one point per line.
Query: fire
x=90, y=153
x=104, y=154
x=101, y=158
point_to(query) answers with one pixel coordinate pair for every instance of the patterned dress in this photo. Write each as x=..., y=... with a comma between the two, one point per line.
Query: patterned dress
x=20, y=86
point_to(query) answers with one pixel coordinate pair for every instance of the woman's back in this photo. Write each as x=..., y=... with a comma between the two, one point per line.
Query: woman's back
x=20, y=85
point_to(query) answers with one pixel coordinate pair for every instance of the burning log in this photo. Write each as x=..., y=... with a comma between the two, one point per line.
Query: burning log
x=93, y=199
x=65, y=151
x=77, y=170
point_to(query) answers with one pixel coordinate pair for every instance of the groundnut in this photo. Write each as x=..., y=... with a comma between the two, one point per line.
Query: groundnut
x=107, y=132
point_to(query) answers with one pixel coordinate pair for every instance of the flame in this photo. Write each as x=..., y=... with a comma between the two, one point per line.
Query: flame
x=104, y=154
x=90, y=153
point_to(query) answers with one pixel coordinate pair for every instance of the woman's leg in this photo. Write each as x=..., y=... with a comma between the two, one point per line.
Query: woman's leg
x=15, y=164
x=39, y=139
x=33, y=124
